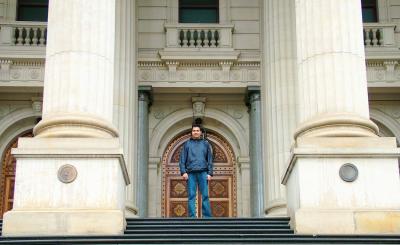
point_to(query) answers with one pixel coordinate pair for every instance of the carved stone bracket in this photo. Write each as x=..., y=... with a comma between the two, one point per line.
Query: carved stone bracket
x=199, y=104
x=5, y=65
x=172, y=65
x=390, y=66
x=37, y=104
x=226, y=67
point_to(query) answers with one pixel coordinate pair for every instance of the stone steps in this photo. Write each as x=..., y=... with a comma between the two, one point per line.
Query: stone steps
x=207, y=231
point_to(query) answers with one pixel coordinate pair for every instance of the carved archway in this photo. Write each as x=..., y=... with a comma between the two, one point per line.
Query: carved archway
x=8, y=176
x=222, y=188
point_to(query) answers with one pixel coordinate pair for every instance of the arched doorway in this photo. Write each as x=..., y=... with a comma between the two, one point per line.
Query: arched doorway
x=8, y=176
x=222, y=188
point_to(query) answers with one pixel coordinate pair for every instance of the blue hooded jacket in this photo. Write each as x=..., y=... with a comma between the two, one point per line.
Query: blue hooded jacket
x=196, y=156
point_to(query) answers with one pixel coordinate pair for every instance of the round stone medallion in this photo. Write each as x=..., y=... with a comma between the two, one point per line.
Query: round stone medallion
x=67, y=173
x=348, y=172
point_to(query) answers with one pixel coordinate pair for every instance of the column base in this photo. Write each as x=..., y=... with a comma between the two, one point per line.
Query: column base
x=131, y=211
x=346, y=221
x=277, y=208
x=74, y=125
x=63, y=223
x=337, y=125
x=324, y=198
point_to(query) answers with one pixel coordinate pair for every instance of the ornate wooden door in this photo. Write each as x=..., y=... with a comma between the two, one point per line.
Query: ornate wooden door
x=222, y=187
x=8, y=177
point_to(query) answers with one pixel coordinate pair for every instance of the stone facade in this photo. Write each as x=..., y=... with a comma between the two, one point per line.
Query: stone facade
x=260, y=44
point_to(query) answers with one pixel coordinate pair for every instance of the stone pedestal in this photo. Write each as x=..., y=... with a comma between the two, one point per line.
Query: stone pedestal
x=321, y=202
x=67, y=186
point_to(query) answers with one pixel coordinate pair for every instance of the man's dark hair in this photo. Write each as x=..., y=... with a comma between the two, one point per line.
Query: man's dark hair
x=197, y=126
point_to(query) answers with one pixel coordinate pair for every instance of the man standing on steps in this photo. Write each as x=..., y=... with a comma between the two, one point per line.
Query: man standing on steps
x=196, y=166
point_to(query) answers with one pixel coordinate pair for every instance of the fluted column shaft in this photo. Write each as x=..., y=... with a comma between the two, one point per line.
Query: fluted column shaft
x=256, y=165
x=332, y=88
x=78, y=86
x=143, y=151
x=125, y=90
x=280, y=102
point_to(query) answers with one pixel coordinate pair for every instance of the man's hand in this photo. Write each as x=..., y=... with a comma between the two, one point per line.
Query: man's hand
x=208, y=177
x=185, y=176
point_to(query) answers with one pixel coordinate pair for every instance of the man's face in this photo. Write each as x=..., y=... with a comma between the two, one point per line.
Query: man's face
x=196, y=133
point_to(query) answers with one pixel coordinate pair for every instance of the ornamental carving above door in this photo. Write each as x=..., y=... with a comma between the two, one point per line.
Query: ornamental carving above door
x=8, y=176
x=222, y=187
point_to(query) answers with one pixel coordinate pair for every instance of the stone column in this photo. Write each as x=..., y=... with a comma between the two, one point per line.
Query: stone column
x=143, y=150
x=125, y=91
x=342, y=178
x=279, y=97
x=256, y=165
x=71, y=176
x=332, y=84
x=78, y=86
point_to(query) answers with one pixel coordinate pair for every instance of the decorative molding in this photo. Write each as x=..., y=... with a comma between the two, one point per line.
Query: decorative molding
x=159, y=137
x=22, y=71
x=202, y=71
x=15, y=116
x=159, y=114
x=6, y=109
x=67, y=173
x=383, y=73
x=237, y=113
x=380, y=115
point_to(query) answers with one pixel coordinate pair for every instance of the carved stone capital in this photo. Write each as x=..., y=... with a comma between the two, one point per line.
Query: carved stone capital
x=145, y=94
x=253, y=95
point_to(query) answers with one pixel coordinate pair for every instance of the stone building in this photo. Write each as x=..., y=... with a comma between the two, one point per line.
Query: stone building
x=299, y=98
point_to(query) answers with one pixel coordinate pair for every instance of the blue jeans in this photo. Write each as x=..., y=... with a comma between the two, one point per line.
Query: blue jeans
x=200, y=179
